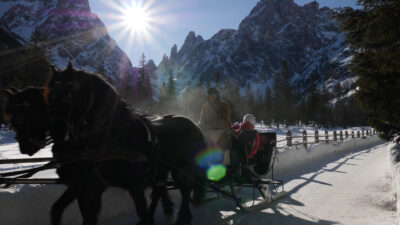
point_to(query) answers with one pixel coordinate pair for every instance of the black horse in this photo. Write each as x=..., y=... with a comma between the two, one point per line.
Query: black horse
x=86, y=179
x=92, y=114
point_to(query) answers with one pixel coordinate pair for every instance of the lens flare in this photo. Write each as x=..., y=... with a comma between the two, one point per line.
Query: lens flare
x=211, y=161
x=216, y=173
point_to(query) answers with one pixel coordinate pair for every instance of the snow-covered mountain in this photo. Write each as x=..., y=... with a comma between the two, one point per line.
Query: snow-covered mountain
x=275, y=31
x=71, y=31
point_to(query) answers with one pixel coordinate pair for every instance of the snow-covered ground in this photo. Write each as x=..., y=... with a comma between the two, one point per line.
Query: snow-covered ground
x=394, y=151
x=335, y=183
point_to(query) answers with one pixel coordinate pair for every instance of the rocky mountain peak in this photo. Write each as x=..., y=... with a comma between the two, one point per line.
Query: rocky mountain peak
x=151, y=65
x=312, y=6
x=174, y=52
x=306, y=37
x=190, y=43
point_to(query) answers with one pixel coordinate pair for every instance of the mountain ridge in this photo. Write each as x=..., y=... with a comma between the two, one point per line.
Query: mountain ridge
x=306, y=37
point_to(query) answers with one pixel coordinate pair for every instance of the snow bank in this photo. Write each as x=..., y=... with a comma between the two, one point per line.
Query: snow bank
x=295, y=157
x=394, y=157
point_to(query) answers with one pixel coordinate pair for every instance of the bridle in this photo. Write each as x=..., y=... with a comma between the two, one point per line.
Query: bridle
x=39, y=144
x=72, y=128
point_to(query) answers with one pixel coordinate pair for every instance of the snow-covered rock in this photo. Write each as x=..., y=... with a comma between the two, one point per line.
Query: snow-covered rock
x=274, y=31
x=71, y=31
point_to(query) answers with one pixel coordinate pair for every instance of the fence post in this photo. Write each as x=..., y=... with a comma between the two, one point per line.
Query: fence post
x=341, y=136
x=316, y=137
x=358, y=134
x=289, y=138
x=305, y=138
x=352, y=134
x=334, y=136
x=326, y=136
x=346, y=134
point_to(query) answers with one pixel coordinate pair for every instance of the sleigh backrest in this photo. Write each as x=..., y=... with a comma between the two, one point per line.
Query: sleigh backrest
x=264, y=157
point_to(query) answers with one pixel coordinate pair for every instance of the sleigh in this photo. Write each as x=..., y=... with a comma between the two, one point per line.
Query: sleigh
x=248, y=189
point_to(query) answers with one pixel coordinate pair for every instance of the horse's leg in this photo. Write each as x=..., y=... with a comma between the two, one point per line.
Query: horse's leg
x=89, y=201
x=166, y=201
x=184, y=214
x=160, y=191
x=138, y=196
x=61, y=204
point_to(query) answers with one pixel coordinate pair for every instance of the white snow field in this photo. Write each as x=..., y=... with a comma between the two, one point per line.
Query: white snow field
x=336, y=183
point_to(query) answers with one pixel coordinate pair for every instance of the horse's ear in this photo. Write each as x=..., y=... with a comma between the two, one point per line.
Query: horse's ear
x=10, y=92
x=54, y=69
x=14, y=90
x=70, y=67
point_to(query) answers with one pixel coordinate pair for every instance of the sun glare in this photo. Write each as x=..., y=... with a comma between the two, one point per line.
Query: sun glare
x=137, y=22
x=136, y=18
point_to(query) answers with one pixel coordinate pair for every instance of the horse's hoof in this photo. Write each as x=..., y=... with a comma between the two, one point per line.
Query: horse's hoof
x=168, y=211
x=187, y=223
x=181, y=221
x=145, y=222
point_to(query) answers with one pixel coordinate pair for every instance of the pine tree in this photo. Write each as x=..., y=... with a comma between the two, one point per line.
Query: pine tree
x=311, y=101
x=324, y=115
x=249, y=102
x=144, y=86
x=283, y=95
x=217, y=79
x=171, y=92
x=374, y=34
x=268, y=107
x=148, y=89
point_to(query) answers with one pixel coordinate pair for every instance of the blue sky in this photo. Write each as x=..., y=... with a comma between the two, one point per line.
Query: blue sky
x=172, y=20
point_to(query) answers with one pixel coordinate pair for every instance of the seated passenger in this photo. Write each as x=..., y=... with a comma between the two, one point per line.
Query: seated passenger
x=248, y=136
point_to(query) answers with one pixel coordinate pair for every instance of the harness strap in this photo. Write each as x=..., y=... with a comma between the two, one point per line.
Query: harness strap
x=149, y=136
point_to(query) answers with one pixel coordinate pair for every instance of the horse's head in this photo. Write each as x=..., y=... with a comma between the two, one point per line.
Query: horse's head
x=67, y=94
x=27, y=113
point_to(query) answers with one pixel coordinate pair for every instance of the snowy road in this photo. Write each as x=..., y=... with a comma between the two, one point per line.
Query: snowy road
x=353, y=189
x=341, y=188
x=346, y=188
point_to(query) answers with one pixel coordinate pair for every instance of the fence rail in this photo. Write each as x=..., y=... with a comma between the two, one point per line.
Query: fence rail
x=337, y=136
x=25, y=160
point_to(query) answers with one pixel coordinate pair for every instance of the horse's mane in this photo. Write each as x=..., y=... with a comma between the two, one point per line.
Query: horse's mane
x=79, y=75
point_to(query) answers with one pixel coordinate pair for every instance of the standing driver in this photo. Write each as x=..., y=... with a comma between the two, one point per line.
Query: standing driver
x=215, y=114
x=215, y=120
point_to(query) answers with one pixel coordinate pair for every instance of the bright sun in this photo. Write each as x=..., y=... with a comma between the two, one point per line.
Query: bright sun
x=136, y=18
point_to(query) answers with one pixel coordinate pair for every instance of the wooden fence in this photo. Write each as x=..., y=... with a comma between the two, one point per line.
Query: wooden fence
x=336, y=136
